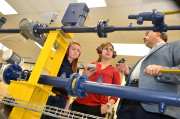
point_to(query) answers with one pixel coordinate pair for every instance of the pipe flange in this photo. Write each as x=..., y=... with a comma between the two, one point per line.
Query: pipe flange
x=70, y=84
x=100, y=28
x=35, y=30
x=79, y=88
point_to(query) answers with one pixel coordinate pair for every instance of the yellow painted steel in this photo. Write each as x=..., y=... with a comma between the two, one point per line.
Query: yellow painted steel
x=73, y=83
x=31, y=90
x=171, y=12
x=69, y=35
x=170, y=71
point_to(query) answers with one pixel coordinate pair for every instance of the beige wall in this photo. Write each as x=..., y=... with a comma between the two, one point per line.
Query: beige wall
x=29, y=66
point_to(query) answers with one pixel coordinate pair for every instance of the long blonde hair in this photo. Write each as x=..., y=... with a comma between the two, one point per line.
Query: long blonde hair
x=75, y=61
x=103, y=45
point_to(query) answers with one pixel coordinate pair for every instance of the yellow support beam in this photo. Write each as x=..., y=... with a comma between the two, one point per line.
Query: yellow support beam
x=31, y=90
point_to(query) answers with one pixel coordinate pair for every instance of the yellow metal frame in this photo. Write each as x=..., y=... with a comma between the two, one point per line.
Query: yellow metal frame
x=171, y=12
x=31, y=90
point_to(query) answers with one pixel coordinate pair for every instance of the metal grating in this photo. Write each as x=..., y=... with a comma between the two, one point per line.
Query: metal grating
x=45, y=109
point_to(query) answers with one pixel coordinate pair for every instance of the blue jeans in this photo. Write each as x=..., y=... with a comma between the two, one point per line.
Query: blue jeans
x=55, y=101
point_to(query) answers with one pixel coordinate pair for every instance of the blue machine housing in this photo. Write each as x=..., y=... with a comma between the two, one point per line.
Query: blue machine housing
x=75, y=13
x=8, y=73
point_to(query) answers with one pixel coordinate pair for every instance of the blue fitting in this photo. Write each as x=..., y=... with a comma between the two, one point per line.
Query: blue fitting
x=19, y=69
x=10, y=68
x=139, y=21
x=10, y=73
x=99, y=80
x=16, y=66
x=162, y=107
x=84, y=95
x=79, y=88
x=72, y=89
x=69, y=84
x=63, y=75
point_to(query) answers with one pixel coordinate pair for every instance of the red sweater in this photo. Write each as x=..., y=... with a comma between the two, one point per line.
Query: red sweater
x=109, y=75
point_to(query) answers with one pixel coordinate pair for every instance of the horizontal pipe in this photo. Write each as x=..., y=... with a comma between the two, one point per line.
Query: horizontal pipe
x=70, y=29
x=44, y=79
x=173, y=28
x=15, y=30
x=53, y=81
x=132, y=28
x=132, y=93
x=86, y=29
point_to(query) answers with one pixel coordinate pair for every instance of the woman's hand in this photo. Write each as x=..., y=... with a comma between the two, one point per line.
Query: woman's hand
x=89, y=72
x=104, y=108
x=65, y=111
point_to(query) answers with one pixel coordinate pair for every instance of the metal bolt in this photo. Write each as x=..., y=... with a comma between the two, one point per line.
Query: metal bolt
x=10, y=68
x=19, y=69
x=79, y=90
x=8, y=74
x=84, y=94
x=15, y=66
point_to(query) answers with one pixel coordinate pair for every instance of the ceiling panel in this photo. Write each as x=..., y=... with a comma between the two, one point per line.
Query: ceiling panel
x=62, y=4
x=41, y=6
x=21, y=6
x=120, y=3
x=160, y=6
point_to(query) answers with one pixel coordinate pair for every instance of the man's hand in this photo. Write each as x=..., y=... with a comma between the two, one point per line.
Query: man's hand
x=104, y=108
x=153, y=70
x=90, y=72
x=123, y=68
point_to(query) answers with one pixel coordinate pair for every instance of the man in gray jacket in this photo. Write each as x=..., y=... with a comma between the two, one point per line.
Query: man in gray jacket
x=145, y=74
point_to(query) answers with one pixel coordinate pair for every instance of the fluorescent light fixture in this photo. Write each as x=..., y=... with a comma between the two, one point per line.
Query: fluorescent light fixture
x=131, y=49
x=94, y=3
x=42, y=47
x=3, y=48
x=6, y=9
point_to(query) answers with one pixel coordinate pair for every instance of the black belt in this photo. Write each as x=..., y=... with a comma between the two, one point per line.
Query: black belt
x=134, y=81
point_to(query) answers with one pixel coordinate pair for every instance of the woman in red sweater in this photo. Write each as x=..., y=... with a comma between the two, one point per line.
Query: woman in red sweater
x=99, y=104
